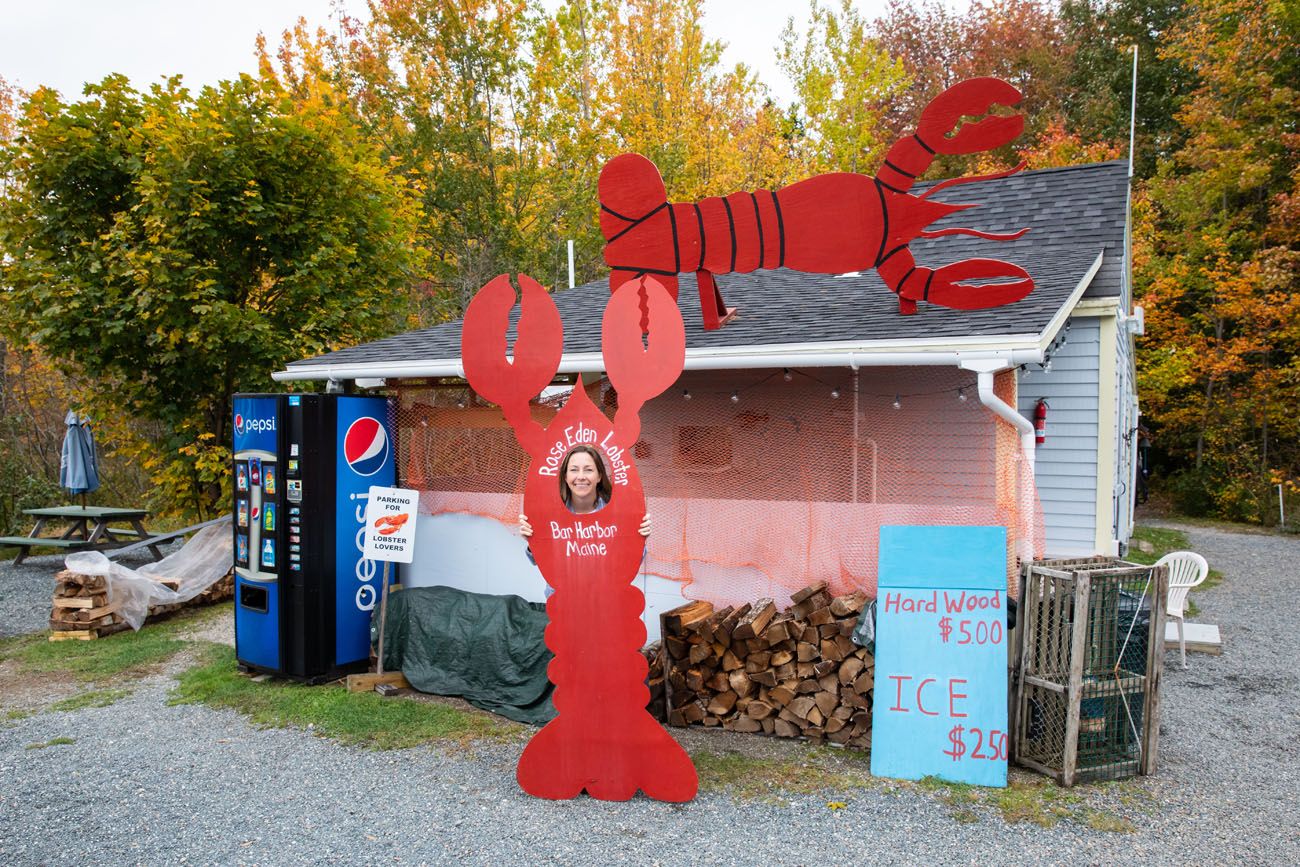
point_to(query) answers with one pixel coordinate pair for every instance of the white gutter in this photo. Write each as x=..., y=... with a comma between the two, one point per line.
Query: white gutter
x=587, y=362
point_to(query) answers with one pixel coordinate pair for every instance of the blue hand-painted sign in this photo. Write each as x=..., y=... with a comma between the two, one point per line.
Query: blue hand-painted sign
x=940, y=706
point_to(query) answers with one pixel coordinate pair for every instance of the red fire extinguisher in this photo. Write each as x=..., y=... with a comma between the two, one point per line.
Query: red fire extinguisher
x=1040, y=422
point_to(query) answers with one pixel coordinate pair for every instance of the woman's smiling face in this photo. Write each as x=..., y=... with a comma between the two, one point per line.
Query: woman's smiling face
x=581, y=476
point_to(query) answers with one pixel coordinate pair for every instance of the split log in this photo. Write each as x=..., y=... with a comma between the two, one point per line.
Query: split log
x=755, y=621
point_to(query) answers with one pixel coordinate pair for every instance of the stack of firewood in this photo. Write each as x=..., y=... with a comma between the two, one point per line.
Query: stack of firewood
x=654, y=657
x=81, y=610
x=792, y=673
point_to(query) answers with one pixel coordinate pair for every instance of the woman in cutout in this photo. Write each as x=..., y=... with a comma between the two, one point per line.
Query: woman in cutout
x=584, y=488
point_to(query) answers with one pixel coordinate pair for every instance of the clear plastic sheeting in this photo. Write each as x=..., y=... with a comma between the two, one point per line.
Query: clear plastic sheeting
x=201, y=562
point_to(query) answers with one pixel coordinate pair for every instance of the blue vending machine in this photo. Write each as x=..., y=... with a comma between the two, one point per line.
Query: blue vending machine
x=303, y=466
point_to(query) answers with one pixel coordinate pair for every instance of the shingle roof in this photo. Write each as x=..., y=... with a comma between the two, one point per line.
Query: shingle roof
x=1072, y=213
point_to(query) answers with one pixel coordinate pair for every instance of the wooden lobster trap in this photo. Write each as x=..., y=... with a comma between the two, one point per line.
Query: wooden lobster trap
x=1090, y=659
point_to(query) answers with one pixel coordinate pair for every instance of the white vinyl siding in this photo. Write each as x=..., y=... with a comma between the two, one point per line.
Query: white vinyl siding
x=1066, y=464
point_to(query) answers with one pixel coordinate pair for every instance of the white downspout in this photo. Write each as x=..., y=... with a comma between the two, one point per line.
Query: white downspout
x=984, y=369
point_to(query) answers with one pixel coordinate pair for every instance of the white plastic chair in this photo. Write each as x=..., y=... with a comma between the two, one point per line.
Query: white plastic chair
x=1186, y=570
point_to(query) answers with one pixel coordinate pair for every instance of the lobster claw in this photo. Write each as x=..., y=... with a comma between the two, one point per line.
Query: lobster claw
x=537, y=350
x=972, y=97
x=639, y=372
x=947, y=289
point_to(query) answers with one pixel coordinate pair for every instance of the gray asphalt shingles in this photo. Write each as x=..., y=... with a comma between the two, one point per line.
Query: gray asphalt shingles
x=1072, y=215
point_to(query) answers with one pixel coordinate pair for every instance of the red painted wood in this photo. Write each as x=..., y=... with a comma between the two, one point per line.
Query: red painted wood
x=826, y=224
x=602, y=740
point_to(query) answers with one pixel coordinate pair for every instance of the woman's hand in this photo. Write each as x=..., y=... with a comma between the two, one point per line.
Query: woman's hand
x=526, y=529
x=644, y=529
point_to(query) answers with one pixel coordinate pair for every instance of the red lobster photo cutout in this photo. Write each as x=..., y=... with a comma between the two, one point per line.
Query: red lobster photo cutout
x=602, y=739
x=827, y=224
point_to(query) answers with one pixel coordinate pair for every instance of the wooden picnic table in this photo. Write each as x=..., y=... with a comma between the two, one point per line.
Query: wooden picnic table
x=81, y=527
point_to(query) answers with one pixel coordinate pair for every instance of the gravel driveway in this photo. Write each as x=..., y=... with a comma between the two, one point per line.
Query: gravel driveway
x=144, y=782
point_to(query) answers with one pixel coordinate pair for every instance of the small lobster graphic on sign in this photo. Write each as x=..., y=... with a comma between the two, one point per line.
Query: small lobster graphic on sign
x=827, y=224
x=602, y=739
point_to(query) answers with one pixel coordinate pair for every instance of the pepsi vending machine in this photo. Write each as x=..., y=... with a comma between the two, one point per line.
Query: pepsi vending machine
x=303, y=466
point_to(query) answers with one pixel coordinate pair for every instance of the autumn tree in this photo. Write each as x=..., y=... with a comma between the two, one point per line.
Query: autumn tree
x=177, y=248
x=1020, y=41
x=436, y=85
x=502, y=118
x=845, y=84
x=1220, y=363
x=1102, y=34
x=642, y=76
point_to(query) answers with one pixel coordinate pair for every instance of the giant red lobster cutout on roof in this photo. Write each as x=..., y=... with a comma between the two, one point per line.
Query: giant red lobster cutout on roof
x=828, y=224
x=602, y=739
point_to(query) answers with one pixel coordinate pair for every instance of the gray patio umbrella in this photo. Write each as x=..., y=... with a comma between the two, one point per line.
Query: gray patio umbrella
x=78, y=466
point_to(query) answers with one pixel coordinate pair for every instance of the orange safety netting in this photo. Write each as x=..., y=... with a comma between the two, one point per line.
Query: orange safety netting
x=761, y=482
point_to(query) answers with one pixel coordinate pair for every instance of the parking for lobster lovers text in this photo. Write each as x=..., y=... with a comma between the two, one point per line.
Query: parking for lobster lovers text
x=390, y=524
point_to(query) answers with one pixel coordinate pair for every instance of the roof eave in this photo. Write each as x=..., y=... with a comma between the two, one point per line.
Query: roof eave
x=1014, y=349
x=1021, y=347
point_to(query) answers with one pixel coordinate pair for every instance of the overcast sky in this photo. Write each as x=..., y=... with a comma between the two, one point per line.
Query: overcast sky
x=65, y=43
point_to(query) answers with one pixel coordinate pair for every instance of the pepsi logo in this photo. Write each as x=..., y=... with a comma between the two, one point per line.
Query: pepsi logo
x=365, y=446
x=256, y=514
x=253, y=425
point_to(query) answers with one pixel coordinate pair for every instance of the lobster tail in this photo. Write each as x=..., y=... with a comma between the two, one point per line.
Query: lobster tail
x=637, y=222
x=630, y=190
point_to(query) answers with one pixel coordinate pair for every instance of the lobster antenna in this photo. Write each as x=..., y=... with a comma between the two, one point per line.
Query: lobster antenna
x=952, y=182
x=976, y=233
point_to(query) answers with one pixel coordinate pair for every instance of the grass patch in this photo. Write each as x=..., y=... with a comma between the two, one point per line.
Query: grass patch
x=121, y=653
x=1100, y=820
x=765, y=779
x=91, y=698
x=1161, y=539
x=1037, y=801
x=92, y=660
x=52, y=742
x=363, y=718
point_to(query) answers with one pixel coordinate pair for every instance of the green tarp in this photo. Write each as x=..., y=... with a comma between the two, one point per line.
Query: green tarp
x=487, y=649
